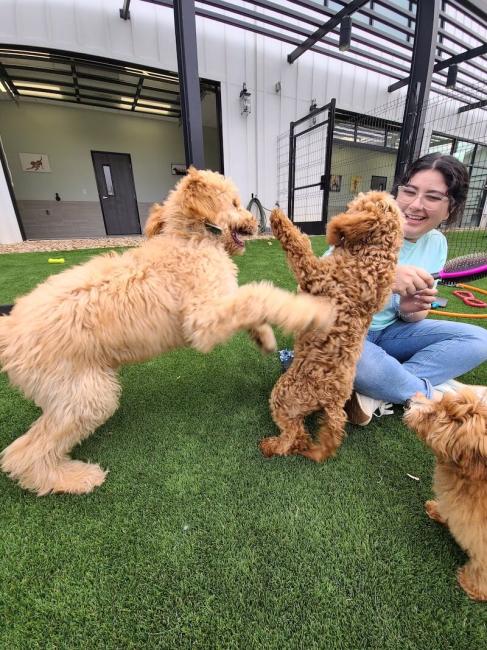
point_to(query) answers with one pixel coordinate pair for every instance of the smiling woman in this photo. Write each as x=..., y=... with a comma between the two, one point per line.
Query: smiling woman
x=404, y=352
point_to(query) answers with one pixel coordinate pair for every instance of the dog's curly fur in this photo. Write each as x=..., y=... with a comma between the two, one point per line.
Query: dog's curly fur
x=455, y=428
x=357, y=277
x=63, y=343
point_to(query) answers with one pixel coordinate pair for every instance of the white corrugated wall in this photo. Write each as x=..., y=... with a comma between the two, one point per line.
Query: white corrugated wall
x=225, y=54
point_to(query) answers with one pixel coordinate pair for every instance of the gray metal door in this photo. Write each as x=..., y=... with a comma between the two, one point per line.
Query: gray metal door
x=310, y=149
x=115, y=182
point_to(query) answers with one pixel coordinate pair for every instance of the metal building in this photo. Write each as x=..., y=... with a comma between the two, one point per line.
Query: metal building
x=103, y=103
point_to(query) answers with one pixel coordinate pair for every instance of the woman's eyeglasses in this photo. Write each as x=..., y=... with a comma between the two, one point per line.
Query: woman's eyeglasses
x=430, y=200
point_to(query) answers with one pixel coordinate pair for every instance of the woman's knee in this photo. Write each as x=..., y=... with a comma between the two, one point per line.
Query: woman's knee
x=478, y=337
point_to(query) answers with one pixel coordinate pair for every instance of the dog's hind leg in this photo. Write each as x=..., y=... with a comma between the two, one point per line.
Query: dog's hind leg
x=472, y=577
x=294, y=438
x=288, y=412
x=39, y=459
x=330, y=435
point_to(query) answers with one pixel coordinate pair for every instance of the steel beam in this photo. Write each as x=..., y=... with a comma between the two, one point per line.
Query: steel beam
x=254, y=21
x=189, y=83
x=325, y=29
x=446, y=63
x=471, y=107
x=423, y=58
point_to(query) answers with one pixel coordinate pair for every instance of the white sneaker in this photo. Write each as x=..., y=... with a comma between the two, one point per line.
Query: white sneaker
x=360, y=409
x=453, y=386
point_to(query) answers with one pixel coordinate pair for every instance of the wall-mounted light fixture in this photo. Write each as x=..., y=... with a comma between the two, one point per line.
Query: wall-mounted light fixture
x=345, y=34
x=451, y=77
x=312, y=107
x=36, y=85
x=245, y=105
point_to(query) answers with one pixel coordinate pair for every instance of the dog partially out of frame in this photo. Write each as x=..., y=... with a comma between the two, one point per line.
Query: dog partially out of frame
x=63, y=343
x=357, y=277
x=456, y=430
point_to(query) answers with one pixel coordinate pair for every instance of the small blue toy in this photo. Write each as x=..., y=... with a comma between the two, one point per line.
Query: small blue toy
x=286, y=358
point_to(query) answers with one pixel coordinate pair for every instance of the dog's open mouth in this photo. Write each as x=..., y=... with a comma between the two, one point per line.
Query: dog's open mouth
x=236, y=234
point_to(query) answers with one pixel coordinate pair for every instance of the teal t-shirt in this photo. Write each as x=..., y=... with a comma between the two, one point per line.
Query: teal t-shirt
x=428, y=253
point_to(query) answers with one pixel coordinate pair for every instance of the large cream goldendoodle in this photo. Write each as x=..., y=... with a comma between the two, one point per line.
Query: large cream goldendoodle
x=63, y=343
x=456, y=431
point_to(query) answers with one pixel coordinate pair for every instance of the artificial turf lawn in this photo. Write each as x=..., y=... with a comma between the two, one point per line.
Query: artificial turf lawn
x=196, y=541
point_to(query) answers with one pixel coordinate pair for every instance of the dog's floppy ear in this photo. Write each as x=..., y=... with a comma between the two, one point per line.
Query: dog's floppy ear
x=464, y=436
x=352, y=227
x=155, y=221
x=199, y=192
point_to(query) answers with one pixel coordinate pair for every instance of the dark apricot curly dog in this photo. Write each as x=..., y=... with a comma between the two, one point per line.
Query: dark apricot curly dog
x=358, y=277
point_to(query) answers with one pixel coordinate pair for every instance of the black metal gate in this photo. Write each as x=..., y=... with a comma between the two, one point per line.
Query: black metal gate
x=310, y=149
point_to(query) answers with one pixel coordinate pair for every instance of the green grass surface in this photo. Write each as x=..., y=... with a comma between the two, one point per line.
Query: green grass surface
x=196, y=541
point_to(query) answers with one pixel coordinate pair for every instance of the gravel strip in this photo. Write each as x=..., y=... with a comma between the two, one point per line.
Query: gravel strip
x=51, y=245
x=48, y=245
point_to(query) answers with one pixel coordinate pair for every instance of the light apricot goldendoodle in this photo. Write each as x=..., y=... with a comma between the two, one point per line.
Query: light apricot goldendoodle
x=455, y=429
x=63, y=343
x=357, y=277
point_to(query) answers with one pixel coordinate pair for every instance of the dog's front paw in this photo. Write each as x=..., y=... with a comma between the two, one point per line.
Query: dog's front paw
x=316, y=312
x=431, y=509
x=278, y=222
x=264, y=338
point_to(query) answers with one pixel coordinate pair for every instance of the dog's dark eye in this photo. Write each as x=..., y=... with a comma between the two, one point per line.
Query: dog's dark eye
x=235, y=203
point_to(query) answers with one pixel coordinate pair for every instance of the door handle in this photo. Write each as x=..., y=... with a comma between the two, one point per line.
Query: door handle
x=104, y=197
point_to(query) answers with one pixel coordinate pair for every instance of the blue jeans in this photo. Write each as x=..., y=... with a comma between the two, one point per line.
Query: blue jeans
x=405, y=358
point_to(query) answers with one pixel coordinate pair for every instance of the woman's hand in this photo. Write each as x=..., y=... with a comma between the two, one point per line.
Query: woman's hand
x=416, y=307
x=411, y=279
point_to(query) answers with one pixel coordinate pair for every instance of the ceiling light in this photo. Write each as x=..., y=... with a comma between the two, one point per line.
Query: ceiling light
x=3, y=89
x=35, y=84
x=44, y=55
x=165, y=77
x=38, y=93
x=151, y=110
x=26, y=54
x=144, y=72
x=149, y=102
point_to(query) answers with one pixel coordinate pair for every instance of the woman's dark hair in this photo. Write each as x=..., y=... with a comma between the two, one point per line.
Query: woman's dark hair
x=456, y=178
